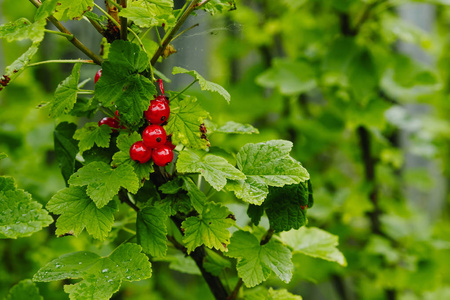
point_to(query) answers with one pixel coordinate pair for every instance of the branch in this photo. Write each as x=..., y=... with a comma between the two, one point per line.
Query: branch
x=174, y=31
x=235, y=292
x=98, y=60
x=266, y=238
x=123, y=22
x=123, y=197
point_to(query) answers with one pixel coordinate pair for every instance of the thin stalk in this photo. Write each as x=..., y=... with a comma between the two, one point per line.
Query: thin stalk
x=85, y=92
x=123, y=22
x=66, y=35
x=81, y=84
x=184, y=31
x=236, y=289
x=115, y=4
x=62, y=61
x=107, y=112
x=107, y=15
x=96, y=25
x=185, y=89
x=158, y=36
x=128, y=230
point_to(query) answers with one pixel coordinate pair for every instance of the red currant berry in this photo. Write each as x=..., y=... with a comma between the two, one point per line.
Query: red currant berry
x=162, y=156
x=158, y=112
x=117, y=115
x=140, y=153
x=97, y=75
x=113, y=123
x=154, y=136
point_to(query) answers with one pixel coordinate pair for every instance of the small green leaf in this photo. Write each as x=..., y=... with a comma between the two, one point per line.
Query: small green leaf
x=66, y=93
x=66, y=148
x=256, y=262
x=186, y=116
x=46, y=9
x=209, y=228
x=205, y=85
x=92, y=134
x=198, y=198
x=78, y=211
x=25, y=289
x=214, y=169
x=22, y=29
x=219, y=6
x=73, y=10
x=236, y=128
x=151, y=231
x=103, y=182
x=14, y=70
x=314, y=242
x=102, y=276
x=149, y=13
x=215, y=263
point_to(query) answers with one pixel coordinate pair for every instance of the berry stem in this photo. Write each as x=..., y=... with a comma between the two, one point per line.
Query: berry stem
x=62, y=61
x=185, y=89
x=66, y=35
x=107, y=15
x=85, y=92
x=98, y=60
x=107, y=112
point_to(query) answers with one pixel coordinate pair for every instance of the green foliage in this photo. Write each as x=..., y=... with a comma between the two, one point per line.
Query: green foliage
x=23, y=29
x=66, y=93
x=69, y=10
x=25, y=289
x=151, y=231
x=92, y=134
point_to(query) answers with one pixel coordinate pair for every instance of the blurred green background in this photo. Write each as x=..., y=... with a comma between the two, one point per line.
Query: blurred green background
x=360, y=87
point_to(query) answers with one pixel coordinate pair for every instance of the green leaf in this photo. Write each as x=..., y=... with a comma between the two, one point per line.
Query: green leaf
x=25, y=289
x=186, y=116
x=362, y=75
x=78, y=211
x=205, y=85
x=66, y=148
x=314, y=242
x=261, y=293
x=102, y=276
x=286, y=206
x=198, y=198
x=22, y=29
x=122, y=84
x=20, y=216
x=255, y=212
x=66, y=93
x=103, y=183
x=73, y=10
x=124, y=143
x=215, y=263
x=149, y=13
x=214, y=169
x=151, y=231
x=209, y=228
x=290, y=77
x=14, y=70
x=173, y=204
x=3, y=155
x=92, y=134
x=236, y=128
x=282, y=294
x=256, y=262
x=219, y=6
x=266, y=164
x=46, y=9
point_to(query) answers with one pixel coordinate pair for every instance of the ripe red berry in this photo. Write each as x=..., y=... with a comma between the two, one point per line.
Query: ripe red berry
x=117, y=115
x=154, y=136
x=113, y=123
x=97, y=75
x=140, y=153
x=162, y=156
x=158, y=111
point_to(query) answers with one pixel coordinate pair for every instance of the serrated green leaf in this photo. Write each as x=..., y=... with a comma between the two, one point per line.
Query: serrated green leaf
x=66, y=93
x=209, y=228
x=186, y=116
x=121, y=83
x=22, y=29
x=198, y=198
x=103, y=182
x=282, y=294
x=255, y=261
x=314, y=242
x=151, y=231
x=149, y=13
x=214, y=169
x=78, y=211
x=286, y=206
x=92, y=134
x=72, y=10
x=236, y=128
x=261, y=293
x=102, y=276
x=20, y=216
x=205, y=85
x=173, y=204
x=266, y=164
x=25, y=289
x=93, y=16
x=66, y=148
x=219, y=6
x=124, y=143
x=14, y=70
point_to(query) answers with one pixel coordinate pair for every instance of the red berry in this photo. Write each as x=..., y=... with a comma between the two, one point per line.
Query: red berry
x=113, y=123
x=97, y=75
x=154, y=136
x=117, y=115
x=140, y=153
x=158, y=112
x=162, y=156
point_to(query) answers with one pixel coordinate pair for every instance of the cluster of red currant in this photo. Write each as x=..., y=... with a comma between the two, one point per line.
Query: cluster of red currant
x=156, y=145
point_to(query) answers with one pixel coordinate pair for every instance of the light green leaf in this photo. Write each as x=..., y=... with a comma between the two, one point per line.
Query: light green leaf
x=255, y=261
x=102, y=276
x=214, y=169
x=219, y=6
x=124, y=143
x=78, y=211
x=266, y=164
x=236, y=128
x=24, y=290
x=314, y=242
x=209, y=228
x=92, y=134
x=20, y=216
x=3, y=155
x=198, y=198
x=186, y=116
x=103, y=182
x=205, y=85
x=149, y=13
x=14, y=70
x=215, y=263
x=151, y=231
x=72, y=10
x=22, y=29
x=282, y=294
x=121, y=83
x=46, y=9
x=66, y=93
